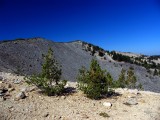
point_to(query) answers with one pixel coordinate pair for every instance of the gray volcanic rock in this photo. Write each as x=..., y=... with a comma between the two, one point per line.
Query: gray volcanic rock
x=25, y=57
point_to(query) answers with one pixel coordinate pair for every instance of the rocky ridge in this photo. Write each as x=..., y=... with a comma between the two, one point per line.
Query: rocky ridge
x=24, y=56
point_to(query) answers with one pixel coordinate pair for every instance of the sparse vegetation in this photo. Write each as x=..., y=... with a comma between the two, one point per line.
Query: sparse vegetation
x=103, y=114
x=49, y=79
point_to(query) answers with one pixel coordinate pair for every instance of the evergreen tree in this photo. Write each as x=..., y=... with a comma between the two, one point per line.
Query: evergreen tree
x=49, y=79
x=131, y=79
x=122, y=80
x=94, y=82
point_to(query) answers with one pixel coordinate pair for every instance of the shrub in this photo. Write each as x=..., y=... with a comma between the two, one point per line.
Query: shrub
x=49, y=79
x=103, y=114
x=94, y=82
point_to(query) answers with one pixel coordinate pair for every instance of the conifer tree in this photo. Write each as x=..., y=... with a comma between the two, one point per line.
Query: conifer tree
x=94, y=82
x=49, y=79
x=131, y=79
x=122, y=80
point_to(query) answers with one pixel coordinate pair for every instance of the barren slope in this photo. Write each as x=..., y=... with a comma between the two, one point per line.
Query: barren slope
x=25, y=56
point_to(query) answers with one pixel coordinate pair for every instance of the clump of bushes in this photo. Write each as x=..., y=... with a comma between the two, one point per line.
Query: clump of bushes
x=49, y=79
x=94, y=82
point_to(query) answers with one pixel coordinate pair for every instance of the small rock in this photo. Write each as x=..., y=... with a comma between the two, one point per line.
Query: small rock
x=1, y=94
x=17, y=81
x=7, y=96
x=33, y=88
x=25, y=89
x=28, y=89
x=125, y=89
x=46, y=114
x=84, y=116
x=135, y=91
x=2, y=99
x=11, y=89
x=107, y=104
x=67, y=85
x=3, y=91
x=10, y=107
x=119, y=90
x=131, y=101
x=20, y=95
x=63, y=97
x=131, y=96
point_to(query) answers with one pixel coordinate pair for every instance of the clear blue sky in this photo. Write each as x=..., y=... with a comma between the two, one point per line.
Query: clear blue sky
x=122, y=25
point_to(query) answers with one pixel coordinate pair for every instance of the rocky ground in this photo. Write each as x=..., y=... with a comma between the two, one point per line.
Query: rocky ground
x=18, y=101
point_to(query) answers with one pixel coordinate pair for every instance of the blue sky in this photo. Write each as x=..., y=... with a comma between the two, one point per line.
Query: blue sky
x=122, y=25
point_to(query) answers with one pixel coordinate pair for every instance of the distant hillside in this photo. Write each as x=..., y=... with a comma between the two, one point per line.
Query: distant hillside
x=24, y=56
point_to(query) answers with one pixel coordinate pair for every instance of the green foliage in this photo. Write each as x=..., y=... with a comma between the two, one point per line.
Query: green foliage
x=94, y=82
x=120, y=57
x=140, y=86
x=103, y=114
x=121, y=82
x=129, y=81
x=49, y=79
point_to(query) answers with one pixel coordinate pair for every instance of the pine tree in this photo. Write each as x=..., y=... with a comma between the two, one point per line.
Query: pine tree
x=122, y=80
x=94, y=82
x=49, y=79
x=131, y=79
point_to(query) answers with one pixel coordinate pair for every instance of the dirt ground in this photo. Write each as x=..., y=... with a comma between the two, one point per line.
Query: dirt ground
x=74, y=106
